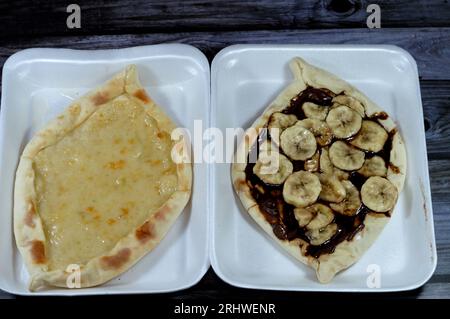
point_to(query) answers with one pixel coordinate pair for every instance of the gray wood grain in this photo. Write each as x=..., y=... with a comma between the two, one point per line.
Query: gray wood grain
x=440, y=192
x=436, y=108
x=429, y=46
x=141, y=16
x=211, y=287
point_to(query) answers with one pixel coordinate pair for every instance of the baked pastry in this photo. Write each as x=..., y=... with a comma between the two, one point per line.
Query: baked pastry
x=97, y=187
x=320, y=170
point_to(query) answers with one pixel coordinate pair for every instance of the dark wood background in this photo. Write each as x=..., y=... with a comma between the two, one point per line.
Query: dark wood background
x=422, y=27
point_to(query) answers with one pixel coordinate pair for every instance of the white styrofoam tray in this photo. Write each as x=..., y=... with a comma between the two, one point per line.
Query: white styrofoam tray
x=244, y=80
x=39, y=83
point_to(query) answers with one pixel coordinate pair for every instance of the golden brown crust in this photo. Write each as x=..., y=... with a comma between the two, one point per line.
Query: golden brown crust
x=37, y=251
x=28, y=229
x=347, y=252
x=145, y=232
x=117, y=260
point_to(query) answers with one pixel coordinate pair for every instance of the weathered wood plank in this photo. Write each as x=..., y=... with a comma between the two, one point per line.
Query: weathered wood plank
x=5, y=295
x=436, y=109
x=440, y=192
x=212, y=288
x=429, y=46
x=436, y=290
x=31, y=18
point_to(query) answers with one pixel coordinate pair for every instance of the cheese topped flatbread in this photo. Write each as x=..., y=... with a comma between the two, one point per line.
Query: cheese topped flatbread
x=98, y=187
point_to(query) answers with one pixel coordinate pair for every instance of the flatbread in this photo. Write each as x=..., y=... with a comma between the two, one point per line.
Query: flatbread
x=97, y=187
x=327, y=259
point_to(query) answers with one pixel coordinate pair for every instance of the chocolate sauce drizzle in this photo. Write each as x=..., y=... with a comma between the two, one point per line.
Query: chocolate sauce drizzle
x=281, y=214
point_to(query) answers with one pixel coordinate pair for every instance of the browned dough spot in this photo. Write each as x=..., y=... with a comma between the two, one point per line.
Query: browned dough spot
x=394, y=168
x=145, y=232
x=162, y=212
x=100, y=98
x=142, y=95
x=116, y=261
x=37, y=251
x=240, y=184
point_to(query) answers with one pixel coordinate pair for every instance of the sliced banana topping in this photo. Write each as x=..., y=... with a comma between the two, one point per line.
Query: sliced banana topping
x=351, y=102
x=325, y=164
x=327, y=167
x=351, y=203
x=323, y=216
x=314, y=111
x=343, y=121
x=278, y=122
x=303, y=216
x=371, y=137
x=301, y=189
x=332, y=188
x=312, y=165
x=320, y=129
x=320, y=236
x=316, y=216
x=374, y=166
x=379, y=194
x=272, y=168
x=346, y=157
x=281, y=120
x=340, y=174
x=298, y=142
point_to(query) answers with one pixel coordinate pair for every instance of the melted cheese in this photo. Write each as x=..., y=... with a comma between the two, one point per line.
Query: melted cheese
x=101, y=181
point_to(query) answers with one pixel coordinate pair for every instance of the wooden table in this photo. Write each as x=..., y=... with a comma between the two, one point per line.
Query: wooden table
x=422, y=27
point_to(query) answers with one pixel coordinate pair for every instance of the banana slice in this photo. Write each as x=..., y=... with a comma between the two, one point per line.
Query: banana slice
x=316, y=216
x=325, y=164
x=340, y=174
x=314, y=111
x=346, y=157
x=319, y=236
x=379, y=194
x=332, y=188
x=281, y=120
x=320, y=129
x=351, y=102
x=374, y=166
x=343, y=121
x=298, y=142
x=273, y=168
x=303, y=216
x=327, y=167
x=351, y=203
x=312, y=165
x=278, y=122
x=301, y=189
x=371, y=137
x=323, y=216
